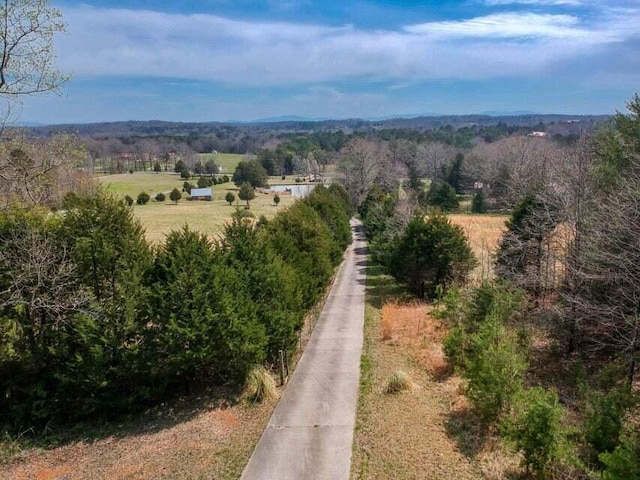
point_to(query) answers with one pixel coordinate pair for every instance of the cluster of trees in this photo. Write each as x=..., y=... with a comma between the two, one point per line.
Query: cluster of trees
x=425, y=251
x=94, y=321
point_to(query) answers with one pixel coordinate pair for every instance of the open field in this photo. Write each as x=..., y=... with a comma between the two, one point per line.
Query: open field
x=484, y=233
x=123, y=184
x=159, y=219
x=227, y=161
x=404, y=435
x=207, y=217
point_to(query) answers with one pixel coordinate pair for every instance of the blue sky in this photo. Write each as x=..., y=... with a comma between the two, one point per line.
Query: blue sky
x=208, y=60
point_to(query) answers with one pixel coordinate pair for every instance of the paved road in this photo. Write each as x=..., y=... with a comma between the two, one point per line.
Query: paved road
x=310, y=434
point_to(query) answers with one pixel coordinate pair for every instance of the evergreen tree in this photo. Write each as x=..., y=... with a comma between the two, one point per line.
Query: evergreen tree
x=429, y=253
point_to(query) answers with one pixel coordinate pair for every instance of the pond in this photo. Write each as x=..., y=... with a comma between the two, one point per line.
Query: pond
x=297, y=190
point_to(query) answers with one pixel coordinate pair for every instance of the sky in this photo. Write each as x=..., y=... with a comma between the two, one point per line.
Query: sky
x=240, y=60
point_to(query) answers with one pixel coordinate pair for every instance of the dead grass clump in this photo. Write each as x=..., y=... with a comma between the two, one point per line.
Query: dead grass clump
x=261, y=385
x=398, y=382
x=387, y=325
x=497, y=463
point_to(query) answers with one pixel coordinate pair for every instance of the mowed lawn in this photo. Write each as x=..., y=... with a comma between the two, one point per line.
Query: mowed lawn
x=159, y=218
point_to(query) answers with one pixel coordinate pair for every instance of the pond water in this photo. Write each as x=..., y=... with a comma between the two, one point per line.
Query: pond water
x=297, y=190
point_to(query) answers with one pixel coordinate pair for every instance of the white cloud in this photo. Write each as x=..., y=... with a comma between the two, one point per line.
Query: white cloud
x=120, y=42
x=506, y=25
x=493, y=3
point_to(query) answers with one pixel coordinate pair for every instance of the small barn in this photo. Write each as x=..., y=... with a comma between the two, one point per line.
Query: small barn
x=201, y=194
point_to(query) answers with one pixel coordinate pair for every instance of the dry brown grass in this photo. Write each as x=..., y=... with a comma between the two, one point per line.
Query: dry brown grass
x=404, y=436
x=412, y=325
x=215, y=442
x=484, y=233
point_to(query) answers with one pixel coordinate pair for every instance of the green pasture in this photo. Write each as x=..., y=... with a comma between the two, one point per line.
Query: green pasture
x=227, y=161
x=159, y=218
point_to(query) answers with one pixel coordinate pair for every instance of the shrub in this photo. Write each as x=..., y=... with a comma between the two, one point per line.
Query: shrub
x=203, y=182
x=260, y=386
x=624, y=462
x=175, y=195
x=185, y=174
x=143, y=198
x=230, y=198
x=494, y=367
x=180, y=166
x=398, y=382
x=535, y=427
x=604, y=416
x=246, y=192
x=161, y=197
x=479, y=203
x=243, y=213
x=225, y=179
x=442, y=195
x=128, y=200
x=276, y=199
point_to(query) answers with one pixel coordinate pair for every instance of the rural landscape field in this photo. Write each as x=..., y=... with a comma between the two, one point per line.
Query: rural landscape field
x=290, y=240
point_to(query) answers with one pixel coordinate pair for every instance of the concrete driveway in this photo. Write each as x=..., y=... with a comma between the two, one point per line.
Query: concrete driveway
x=310, y=433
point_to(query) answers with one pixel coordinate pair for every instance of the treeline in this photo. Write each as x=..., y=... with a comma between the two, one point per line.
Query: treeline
x=94, y=321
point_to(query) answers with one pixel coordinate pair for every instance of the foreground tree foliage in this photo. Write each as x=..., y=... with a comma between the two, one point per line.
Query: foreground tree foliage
x=95, y=322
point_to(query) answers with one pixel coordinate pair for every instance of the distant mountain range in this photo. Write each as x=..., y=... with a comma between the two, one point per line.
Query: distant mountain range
x=303, y=124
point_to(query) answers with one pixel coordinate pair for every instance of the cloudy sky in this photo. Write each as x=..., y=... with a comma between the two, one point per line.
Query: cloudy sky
x=206, y=60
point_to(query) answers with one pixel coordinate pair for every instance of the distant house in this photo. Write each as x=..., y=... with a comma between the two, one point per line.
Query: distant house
x=537, y=134
x=201, y=194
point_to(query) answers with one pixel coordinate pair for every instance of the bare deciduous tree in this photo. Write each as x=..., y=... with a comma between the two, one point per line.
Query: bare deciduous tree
x=360, y=165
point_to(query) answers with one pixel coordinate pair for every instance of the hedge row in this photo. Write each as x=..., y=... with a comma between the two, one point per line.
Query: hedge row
x=94, y=321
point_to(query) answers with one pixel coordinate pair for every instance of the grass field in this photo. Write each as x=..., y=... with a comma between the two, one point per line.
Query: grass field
x=484, y=233
x=227, y=161
x=159, y=219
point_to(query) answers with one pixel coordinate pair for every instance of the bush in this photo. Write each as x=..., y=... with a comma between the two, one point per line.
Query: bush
x=494, y=367
x=479, y=203
x=230, y=198
x=175, y=195
x=442, y=195
x=604, y=416
x=246, y=193
x=535, y=427
x=398, y=382
x=624, y=462
x=243, y=213
x=128, y=200
x=276, y=199
x=260, y=386
x=131, y=172
x=143, y=198
x=161, y=197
